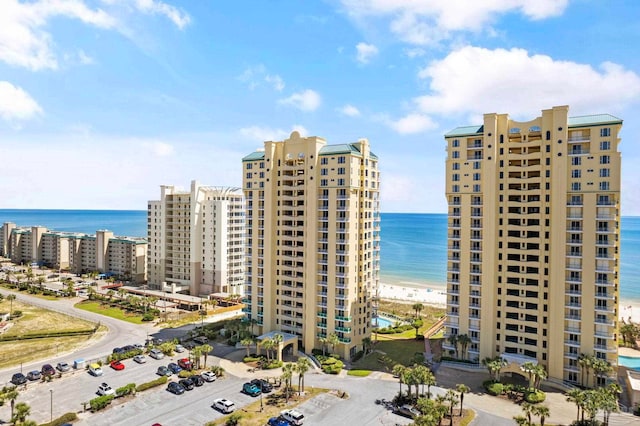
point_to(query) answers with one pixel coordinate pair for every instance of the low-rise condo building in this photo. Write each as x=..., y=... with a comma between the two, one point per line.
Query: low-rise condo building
x=313, y=235
x=533, y=241
x=196, y=240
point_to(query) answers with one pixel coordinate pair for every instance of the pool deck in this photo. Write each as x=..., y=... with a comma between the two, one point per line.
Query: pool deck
x=632, y=353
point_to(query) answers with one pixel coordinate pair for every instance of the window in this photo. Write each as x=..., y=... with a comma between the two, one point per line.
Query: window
x=342, y=159
x=455, y=177
x=604, y=186
x=605, y=159
x=476, y=165
x=605, y=132
x=605, y=145
x=576, y=173
x=456, y=166
x=455, y=154
x=576, y=161
x=249, y=174
x=604, y=173
x=455, y=188
x=324, y=172
x=455, y=143
x=262, y=164
x=476, y=188
x=476, y=176
x=324, y=161
x=341, y=170
x=324, y=182
x=249, y=166
x=248, y=184
x=340, y=182
x=575, y=186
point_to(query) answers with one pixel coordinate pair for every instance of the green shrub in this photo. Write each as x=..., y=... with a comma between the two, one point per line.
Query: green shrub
x=217, y=370
x=359, y=373
x=331, y=365
x=152, y=384
x=65, y=418
x=233, y=419
x=357, y=356
x=126, y=390
x=124, y=355
x=183, y=374
x=274, y=363
x=100, y=402
x=493, y=388
x=148, y=317
x=253, y=358
x=535, y=396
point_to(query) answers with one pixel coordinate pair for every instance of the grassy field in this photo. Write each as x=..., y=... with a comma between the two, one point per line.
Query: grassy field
x=36, y=319
x=117, y=313
x=399, y=350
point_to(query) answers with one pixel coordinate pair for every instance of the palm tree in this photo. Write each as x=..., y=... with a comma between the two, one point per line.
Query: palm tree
x=453, y=339
x=247, y=342
x=323, y=342
x=417, y=307
x=252, y=322
x=11, y=298
x=541, y=411
x=601, y=368
x=22, y=412
x=628, y=332
x=302, y=366
x=41, y=279
x=417, y=323
x=277, y=339
x=122, y=293
x=196, y=354
x=430, y=381
x=494, y=365
x=399, y=370
x=529, y=367
x=366, y=345
x=421, y=374
x=462, y=389
x=9, y=393
x=576, y=396
x=609, y=400
x=206, y=349
x=452, y=398
x=268, y=344
x=333, y=340
x=464, y=341
x=585, y=361
x=287, y=376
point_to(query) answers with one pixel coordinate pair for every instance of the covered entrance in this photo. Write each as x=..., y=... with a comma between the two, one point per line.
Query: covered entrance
x=280, y=340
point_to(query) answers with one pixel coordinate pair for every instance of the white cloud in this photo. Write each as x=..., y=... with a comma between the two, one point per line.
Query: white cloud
x=276, y=81
x=262, y=134
x=85, y=59
x=16, y=104
x=412, y=123
x=365, y=52
x=180, y=18
x=429, y=21
x=307, y=100
x=414, y=52
x=159, y=149
x=475, y=80
x=255, y=75
x=349, y=110
x=23, y=40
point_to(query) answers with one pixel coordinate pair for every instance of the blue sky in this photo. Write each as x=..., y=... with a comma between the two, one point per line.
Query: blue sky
x=102, y=101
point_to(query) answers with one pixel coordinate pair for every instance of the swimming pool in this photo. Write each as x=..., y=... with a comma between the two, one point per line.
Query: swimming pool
x=382, y=322
x=629, y=362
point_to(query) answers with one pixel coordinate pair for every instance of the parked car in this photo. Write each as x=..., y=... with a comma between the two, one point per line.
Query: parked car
x=201, y=340
x=180, y=348
x=185, y=363
x=224, y=405
x=105, y=389
x=263, y=385
x=118, y=350
x=197, y=380
x=208, y=376
x=48, y=370
x=18, y=379
x=34, y=375
x=156, y=354
x=187, y=384
x=175, y=388
x=278, y=421
x=95, y=369
x=117, y=365
x=140, y=359
x=251, y=389
x=63, y=366
x=175, y=368
x=163, y=371
x=294, y=417
x=407, y=411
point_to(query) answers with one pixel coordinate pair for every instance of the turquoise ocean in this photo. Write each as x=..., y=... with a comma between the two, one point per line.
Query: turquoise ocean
x=413, y=246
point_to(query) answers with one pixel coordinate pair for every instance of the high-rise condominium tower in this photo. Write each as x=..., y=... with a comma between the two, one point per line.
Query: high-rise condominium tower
x=533, y=240
x=313, y=239
x=196, y=240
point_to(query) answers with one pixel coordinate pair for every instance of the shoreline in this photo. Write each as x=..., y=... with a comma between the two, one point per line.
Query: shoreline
x=434, y=294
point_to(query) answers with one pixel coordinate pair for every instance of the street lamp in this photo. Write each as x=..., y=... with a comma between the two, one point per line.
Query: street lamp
x=261, y=406
x=51, y=417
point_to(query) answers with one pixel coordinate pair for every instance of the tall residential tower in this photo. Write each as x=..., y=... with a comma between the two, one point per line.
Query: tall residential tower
x=313, y=239
x=533, y=239
x=196, y=240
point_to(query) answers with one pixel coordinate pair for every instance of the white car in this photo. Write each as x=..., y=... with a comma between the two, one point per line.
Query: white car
x=208, y=376
x=224, y=405
x=105, y=389
x=180, y=348
x=156, y=353
x=294, y=417
x=140, y=359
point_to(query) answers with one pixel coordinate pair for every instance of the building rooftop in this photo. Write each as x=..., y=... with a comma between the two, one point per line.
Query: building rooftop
x=345, y=148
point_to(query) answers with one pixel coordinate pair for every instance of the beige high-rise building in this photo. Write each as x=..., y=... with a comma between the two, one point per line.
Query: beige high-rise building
x=313, y=239
x=533, y=240
x=196, y=240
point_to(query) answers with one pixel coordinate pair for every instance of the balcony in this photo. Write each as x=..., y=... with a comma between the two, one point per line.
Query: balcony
x=346, y=340
x=322, y=314
x=343, y=318
x=344, y=329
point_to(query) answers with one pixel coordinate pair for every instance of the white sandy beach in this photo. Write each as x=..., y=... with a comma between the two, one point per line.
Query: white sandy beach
x=629, y=312
x=412, y=292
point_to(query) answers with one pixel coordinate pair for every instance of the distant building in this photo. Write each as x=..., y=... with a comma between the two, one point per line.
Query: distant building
x=534, y=241
x=313, y=240
x=122, y=257
x=196, y=240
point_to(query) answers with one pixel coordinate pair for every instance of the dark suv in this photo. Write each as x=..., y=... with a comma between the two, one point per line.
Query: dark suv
x=18, y=379
x=263, y=385
x=48, y=370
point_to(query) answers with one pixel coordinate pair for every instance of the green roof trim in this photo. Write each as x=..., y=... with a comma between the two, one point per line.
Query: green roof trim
x=345, y=148
x=593, y=120
x=258, y=155
x=465, y=131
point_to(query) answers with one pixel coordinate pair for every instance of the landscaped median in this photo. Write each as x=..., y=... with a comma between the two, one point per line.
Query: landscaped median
x=113, y=312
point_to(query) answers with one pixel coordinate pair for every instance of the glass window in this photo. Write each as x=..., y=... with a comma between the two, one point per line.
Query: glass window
x=604, y=186
x=324, y=172
x=576, y=173
x=455, y=143
x=324, y=161
x=605, y=159
x=249, y=175
x=455, y=154
x=324, y=182
x=476, y=188
x=342, y=159
x=476, y=176
x=456, y=188
x=262, y=164
x=341, y=170
x=477, y=165
x=604, y=173
x=455, y=177
x=575, y=186
x=605, y=145
x=576, y=161
x=340, y=182
x=605, y=132
x=249, y=166
x=456, y=166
